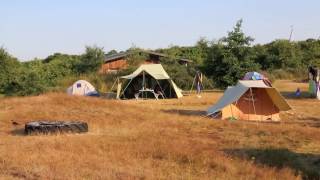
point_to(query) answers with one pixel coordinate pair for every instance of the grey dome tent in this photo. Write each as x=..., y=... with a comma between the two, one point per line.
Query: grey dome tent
x=148, y=81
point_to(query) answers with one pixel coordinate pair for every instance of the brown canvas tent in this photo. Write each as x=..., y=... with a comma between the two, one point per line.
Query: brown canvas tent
x=250, y=100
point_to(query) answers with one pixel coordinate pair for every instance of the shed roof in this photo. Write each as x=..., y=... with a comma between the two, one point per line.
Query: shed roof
x=113, y=57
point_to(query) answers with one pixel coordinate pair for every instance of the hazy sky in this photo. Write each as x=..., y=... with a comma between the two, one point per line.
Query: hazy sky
x=38, y=28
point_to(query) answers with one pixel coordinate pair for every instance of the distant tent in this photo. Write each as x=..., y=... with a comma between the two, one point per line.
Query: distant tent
x=150, y=78
x=250, y=100
x=82, y=88
x=256, y=76
x=253, y=76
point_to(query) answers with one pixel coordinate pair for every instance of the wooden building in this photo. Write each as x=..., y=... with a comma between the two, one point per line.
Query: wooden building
x=116, y=62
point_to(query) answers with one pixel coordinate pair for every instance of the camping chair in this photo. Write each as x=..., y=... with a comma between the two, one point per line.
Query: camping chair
x=136, y=95
x=157, y=91
x=157, y=94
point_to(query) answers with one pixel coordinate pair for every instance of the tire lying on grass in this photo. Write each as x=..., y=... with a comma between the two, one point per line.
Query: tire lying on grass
x=51, y=127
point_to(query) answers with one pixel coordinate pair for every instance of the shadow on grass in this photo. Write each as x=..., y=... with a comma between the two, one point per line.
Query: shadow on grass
x=310, y=121
x=291, y=95
x=18, y=132
x=308, y=165
x=185, y=112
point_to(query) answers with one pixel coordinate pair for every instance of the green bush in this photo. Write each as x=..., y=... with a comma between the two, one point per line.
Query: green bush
x=222, y=62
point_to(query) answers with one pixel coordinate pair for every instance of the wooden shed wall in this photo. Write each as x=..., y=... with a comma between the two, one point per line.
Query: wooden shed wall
x=119, y=64
x=113, y=66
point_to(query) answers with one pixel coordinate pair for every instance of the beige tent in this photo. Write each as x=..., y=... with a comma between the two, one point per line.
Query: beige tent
x=149, y=78
x=250, y=100
x=82, y=88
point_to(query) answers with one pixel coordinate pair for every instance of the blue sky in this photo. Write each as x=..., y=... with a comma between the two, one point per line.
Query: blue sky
x=38, y=28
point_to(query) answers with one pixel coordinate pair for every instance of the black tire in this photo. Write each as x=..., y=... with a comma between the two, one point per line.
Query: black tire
x=51, y=127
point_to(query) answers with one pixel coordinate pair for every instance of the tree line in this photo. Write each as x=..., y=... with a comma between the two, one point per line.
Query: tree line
x=222, y=62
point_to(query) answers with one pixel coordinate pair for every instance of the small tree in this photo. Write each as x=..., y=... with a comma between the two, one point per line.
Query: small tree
x=8, y=67
x=136, y=57
x=112, y=52
x=230, y=58
x=91, y=60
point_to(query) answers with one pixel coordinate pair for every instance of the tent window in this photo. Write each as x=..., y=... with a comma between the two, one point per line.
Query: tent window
x=78, y=85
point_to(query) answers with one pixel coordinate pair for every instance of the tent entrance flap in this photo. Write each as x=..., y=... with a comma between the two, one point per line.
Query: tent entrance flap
x=150, y=78
x=251, y=100
x=119, y=90
x=146, y=82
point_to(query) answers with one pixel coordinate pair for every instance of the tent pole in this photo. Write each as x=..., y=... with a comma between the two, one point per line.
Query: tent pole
x=118, y=88
x=231, y=110
x=161, y=89
x=203, y=88
x=254, y=107
x=192, y=84
x=171, y=84
x=116, y=81
x=144, y=83
x=143, y=80
x=125, y=89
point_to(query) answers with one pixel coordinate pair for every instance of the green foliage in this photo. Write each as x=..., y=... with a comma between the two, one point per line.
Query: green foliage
x=283, y=54
x=136, y=57
x=223, y=63
x=27, y=82
x=33, y=77
x=19, y=79
x=91, y=60
x=197, y=53
x=8, y=71
x=8, y=66
x=112, y=52
x=230, y=58
x=310, y=52
x=181, y=75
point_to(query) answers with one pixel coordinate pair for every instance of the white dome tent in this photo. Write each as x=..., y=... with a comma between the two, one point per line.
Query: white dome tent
x=82, y=88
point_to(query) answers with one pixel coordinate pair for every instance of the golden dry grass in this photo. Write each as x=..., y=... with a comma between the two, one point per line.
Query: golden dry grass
x=167, y=139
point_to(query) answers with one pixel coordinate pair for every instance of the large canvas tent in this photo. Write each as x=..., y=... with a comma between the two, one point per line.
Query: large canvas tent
x=250, y=100
x=82, y=88
x=148, y=78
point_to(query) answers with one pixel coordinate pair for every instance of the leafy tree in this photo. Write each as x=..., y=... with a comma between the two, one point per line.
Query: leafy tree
x=202, y=49
x=136, y=57
x=91, y=60
x=283, y=54
x=230, y=58
x=8, y=67
x=197, y=53
x=310, y=52
x=112, y=52
x=261, y=54
x=27, y=82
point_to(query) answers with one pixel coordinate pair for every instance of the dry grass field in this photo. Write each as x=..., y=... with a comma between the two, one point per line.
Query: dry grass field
x=165, y=139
